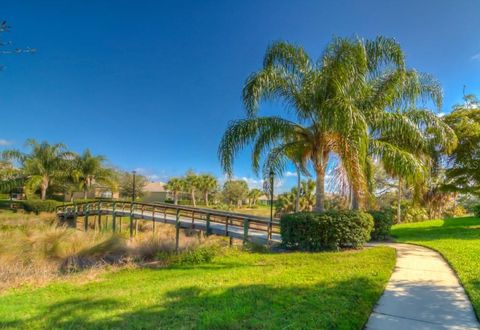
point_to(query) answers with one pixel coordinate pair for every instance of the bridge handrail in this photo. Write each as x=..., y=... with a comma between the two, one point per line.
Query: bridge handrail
x=242, y=216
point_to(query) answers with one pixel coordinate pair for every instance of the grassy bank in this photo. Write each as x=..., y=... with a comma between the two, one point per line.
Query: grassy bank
x=236, y=290
x=458, y=240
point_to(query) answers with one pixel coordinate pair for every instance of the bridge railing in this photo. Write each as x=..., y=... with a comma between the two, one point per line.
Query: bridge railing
x=156, y=212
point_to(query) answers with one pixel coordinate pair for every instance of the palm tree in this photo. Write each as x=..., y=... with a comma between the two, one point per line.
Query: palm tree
x=192, y=183
x=338, y=101
x=45, y=163
x=207, y=183
x=176, y=186
x=89, y=169
x=253, y=196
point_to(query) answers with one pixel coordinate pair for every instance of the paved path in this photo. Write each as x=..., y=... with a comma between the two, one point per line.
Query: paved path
x=423, y=293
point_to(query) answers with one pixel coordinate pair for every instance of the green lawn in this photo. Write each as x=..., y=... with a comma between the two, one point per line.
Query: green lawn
x=237, y=290
x=458, y=240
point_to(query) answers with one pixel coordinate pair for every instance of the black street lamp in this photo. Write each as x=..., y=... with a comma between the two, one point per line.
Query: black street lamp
x=133, y=186
x=272, y=177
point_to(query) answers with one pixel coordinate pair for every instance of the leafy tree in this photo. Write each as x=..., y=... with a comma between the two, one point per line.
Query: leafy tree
x=207, y=184
x=463, y=174
x=126, y=185
x=42, y=165
x=235, y=191
x=340, y=104
x=253, y=196
x=176, y=186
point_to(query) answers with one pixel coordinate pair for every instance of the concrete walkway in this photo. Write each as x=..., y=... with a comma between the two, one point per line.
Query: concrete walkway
x=423, y=293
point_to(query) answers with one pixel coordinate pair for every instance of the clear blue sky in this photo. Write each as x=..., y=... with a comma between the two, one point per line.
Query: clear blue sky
x=152, y=84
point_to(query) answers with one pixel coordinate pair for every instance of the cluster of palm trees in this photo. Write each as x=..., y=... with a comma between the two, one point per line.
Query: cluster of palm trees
x=51, y=167
x=204, y=184
x=357, y=105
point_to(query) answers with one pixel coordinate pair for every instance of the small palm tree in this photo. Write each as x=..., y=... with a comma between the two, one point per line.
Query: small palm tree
x=207, y=183
x=45, y=163
x=253, y=196
x=176, y=186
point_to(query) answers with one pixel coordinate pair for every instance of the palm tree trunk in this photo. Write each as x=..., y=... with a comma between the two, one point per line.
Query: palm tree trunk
x=43, y=188
x=299, y=186
x=206, y=198
x=85, y=193
x=320, y=189
x=193, y=198
x=399, y=201
x=175, y=197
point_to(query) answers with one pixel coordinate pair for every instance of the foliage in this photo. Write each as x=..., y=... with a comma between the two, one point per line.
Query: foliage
x=357, y=101
x=35, y=205
x=207, y=184
x=458, y=240
x=238, y=290
x=411, y=212
x=330, y=230
x=176, y=186
x=235, y=191
x=126, y=185
x=476, y=210
x=383, y=221
x=464, y=171
x=253, y=196
x=286, y=202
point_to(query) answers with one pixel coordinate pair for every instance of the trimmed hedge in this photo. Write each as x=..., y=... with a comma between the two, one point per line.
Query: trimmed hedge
x=383, y=221
x=37, y=205
x=330, y=230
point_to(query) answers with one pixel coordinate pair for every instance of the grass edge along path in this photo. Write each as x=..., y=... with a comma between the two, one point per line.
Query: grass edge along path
x=457, y=240
x=237, y=290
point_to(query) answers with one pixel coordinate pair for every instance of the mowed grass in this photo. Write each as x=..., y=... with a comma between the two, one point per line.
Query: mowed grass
x=458, y=240
x=237, y=290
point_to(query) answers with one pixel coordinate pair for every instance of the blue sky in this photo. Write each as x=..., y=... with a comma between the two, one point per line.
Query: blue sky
x=153, y=84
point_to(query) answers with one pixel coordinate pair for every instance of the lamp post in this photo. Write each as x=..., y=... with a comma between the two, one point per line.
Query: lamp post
x=133, y=186
x=272, y=177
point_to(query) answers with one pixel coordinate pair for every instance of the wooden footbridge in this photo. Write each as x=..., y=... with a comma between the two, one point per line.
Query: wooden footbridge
x=233, y=225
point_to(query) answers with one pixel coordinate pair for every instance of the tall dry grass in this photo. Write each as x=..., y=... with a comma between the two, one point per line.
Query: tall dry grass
x=35, y=249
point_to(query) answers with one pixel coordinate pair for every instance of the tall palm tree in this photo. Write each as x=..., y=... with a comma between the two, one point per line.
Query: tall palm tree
x=328, y=99
x=176, y=186
x=207, y=183
x=192, y=182
x=45, y=163
x=253, y=196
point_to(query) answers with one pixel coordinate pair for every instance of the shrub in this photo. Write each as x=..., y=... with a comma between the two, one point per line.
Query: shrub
x=330, y=230
x=37, y=205
x=383, y=221
x=199, y=255
x=457, y=211
x=476, y=210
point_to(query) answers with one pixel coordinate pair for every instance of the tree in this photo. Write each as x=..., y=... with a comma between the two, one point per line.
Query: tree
x=253, y=196
x=192, y=184
x=338, y=101
x=126, y=185
x=207, y=183
x=88, y=169
x=286, y=202
x=42, y=165
x=176, y=186
x=235, y=191
x=463, y=172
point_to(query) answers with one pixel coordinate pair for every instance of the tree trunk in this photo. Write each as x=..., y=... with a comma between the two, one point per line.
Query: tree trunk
x=85, y=193
x=206, y=198
x=399, y=201
x=193, y=198
x=299, y=186
x=320, y=189
x=175, y=198
x=43, y=188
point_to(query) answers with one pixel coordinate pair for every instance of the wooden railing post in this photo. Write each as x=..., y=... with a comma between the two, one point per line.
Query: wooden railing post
x=153, y=220
x=226, y=225
x=193, y=220
x=177, y=229
x=245, y=230
x=114, y=220
x=86, y=212
x=99, y=217
x=131, y=220
x=208, y=224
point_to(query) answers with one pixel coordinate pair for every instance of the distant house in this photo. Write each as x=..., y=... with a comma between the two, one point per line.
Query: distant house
x=155, y=192
x=96, y=192
x=265, y=200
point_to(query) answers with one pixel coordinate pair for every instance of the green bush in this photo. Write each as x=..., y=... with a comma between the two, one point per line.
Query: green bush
x=37, y=205
x=476, y=210
x=383, y=221
x=330, y=230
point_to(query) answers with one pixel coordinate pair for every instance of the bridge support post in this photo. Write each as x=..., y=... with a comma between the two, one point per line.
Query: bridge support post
x=177, y=229
x=153, y=220
x=114, y=220
x=227, y=219
x=208, y=224
x=245, y=230
x=99, y=217
x=86, y=211
x=131, y=221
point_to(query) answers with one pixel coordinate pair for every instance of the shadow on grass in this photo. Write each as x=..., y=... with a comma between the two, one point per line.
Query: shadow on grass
x=330, y=305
